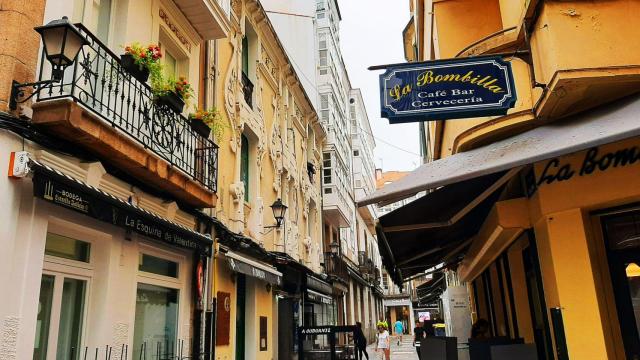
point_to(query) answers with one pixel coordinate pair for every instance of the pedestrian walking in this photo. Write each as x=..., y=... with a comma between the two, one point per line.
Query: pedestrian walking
x=399, y=327
x=361, y=341
x=418, y=334
x=383, y=344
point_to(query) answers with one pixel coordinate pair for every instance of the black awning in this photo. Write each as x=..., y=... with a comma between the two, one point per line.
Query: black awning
x=244, y=265
x=421, y=234
x=68, y=192
x=238, y=242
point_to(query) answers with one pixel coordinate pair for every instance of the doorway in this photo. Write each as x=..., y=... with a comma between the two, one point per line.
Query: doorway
x=622, y=238
x=241, y=284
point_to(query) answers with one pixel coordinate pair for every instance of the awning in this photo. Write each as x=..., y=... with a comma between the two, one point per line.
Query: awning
x=437, y=227
x=244, y=265
x=56, y=187
x=606, y=124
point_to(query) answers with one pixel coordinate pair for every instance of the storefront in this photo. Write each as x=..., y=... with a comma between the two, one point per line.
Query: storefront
x=543, y=229
x=107, y=275
x=319, y=307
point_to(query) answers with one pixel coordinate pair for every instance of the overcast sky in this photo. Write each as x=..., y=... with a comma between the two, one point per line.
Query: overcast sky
x=371, y=34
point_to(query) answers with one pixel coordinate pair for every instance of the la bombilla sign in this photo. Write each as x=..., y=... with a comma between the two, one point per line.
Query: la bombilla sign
x=447, y=89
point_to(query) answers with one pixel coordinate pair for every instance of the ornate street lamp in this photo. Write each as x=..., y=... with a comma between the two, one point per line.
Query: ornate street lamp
x=335, y=248
x=62, y=42
x=279, y=209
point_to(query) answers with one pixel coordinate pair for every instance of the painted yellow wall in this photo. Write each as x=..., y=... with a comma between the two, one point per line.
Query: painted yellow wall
x=462, y=22
x=277, y=167
x=585, y=34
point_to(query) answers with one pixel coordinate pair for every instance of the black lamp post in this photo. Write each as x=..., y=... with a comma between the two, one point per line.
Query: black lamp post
x=279, y=209
x=62, y=42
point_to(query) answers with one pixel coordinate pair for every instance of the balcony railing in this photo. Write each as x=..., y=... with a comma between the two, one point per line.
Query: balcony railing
x=335, y=266
x=97, y=81
x=247, y=90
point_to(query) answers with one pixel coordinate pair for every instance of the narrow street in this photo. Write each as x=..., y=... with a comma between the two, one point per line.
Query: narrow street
x=405, y=351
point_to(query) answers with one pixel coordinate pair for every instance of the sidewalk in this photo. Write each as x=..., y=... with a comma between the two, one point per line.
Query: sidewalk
x=405, y=351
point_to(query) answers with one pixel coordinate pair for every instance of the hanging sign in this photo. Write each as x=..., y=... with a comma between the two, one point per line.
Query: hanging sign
x=447, y=89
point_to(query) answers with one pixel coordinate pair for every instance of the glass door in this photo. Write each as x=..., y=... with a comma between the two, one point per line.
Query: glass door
x=60, y=318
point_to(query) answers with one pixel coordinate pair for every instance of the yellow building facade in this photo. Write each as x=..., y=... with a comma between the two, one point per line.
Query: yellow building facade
x=270, y=149
x=555, y=260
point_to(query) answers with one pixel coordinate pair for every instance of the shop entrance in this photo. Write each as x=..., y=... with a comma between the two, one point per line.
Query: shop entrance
x=622, y=236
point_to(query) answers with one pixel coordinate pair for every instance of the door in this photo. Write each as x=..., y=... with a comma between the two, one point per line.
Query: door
x=240, y=316
x=60, y=317
x=537, y=305
x=62, y=301
x=622, y=236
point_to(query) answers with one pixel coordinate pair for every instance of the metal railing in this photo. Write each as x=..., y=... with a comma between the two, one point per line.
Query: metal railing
x=336, y=266
x=97, y=81
x=160, y=350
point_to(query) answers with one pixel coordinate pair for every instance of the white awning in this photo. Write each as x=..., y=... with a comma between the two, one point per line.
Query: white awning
x=607, y=124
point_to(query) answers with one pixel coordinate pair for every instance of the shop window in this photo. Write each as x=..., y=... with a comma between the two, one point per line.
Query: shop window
x=156, y=321
x=158, y=266
x=67, y=248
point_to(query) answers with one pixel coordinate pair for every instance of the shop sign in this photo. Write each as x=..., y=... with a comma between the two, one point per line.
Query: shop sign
x=447, y=89
x=592, y=162
x=97, y=207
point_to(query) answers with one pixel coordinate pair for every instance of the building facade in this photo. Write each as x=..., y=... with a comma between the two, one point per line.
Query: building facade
x=108, y=244
x=347, y=168
x=268, y=278
x=547, y=248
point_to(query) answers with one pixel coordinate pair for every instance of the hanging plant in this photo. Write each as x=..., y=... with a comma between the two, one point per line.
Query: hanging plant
x=205, y=121
x=141, y=61
x=172, y=93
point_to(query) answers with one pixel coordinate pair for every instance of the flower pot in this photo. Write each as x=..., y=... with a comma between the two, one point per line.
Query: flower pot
x=129, y=64
x=172, y=101
x=200, y=127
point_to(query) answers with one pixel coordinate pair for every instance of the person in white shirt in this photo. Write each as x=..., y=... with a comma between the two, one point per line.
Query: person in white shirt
x=384, y=340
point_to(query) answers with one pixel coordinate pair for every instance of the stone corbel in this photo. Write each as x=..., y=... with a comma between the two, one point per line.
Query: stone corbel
x=237, y=192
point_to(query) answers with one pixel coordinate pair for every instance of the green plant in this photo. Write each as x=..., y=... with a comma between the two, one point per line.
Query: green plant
x=213, y=119
x=180, y=87
x=146, y=57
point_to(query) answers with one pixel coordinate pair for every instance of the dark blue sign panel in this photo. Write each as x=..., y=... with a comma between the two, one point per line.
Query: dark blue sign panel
x=447, y=89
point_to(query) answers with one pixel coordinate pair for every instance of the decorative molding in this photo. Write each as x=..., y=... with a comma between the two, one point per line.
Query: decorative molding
x=174, y=28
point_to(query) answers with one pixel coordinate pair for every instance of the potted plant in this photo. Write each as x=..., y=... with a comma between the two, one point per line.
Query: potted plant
x=172, y=93
x=140, y=61
x=204, y=122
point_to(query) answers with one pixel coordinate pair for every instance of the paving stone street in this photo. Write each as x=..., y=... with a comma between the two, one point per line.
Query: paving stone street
x=404, y=351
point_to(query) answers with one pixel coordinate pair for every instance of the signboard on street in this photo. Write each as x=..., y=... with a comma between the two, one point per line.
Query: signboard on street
x=447, y=89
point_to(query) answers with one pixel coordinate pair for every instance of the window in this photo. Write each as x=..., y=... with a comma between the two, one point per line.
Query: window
x=156, y=322
x=103, y=8
x=326, y=171
x=245, y=56
x=67, y=248
x=159, y=266
x=244, y=166
x=356, y=152
x=170, y=65
x=323, y=58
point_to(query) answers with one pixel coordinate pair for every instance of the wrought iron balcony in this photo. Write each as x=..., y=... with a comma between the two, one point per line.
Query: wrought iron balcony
x=247, y=90
x=118, y=113
x=336, y=267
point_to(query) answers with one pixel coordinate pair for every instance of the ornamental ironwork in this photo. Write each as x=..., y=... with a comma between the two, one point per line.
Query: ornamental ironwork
x=98, y=82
